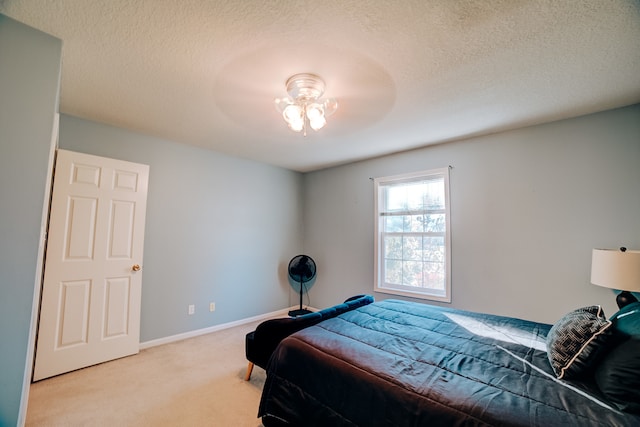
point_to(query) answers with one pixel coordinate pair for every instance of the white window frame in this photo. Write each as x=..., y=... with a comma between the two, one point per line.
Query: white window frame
x=405, y=290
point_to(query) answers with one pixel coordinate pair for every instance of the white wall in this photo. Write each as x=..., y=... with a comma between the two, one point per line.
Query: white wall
x=527, y=207
x=219, y=229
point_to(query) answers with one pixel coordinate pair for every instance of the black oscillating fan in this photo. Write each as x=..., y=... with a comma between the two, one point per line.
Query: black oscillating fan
x=302, y=268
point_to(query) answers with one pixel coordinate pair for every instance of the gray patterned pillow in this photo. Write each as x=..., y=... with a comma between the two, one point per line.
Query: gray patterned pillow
x=576, y=342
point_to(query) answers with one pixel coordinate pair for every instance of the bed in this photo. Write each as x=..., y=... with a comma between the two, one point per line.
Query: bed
x=398, y=363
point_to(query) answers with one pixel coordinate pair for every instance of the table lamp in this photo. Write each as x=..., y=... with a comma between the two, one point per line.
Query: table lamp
x=617, y=269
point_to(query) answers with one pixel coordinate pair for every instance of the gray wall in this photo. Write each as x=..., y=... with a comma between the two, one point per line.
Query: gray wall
x=527, y=207
x=30, y=72
x=219, y=229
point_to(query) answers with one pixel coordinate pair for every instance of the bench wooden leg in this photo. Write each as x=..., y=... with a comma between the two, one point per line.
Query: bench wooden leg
x=249, y=370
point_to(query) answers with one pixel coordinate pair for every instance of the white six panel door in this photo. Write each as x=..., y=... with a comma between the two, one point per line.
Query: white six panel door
x=90, y=309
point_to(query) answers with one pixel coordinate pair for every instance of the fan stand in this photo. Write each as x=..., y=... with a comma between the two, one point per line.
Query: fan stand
x=300, y=311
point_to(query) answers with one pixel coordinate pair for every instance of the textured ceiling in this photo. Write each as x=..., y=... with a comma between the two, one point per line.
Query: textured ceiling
x=406, y=73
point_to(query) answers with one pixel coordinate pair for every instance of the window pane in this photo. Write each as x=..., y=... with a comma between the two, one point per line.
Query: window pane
x=434, y=249
x=392, y=224
x=434, y=223
x=434, y=276
x=435, y=262
x=416, y=196
x=393, y=272
x=393, y=247
x=414, y=224
x=412, y=273
x=395, y=198
x=434, y=194
x=412, y=248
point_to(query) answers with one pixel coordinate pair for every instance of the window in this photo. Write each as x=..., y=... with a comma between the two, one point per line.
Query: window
x=413, y=249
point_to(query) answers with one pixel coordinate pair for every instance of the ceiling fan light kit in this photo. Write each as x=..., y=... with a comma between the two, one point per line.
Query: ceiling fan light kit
x=304, y=107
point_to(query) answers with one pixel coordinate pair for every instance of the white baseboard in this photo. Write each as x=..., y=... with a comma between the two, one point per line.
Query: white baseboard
x=198, y=332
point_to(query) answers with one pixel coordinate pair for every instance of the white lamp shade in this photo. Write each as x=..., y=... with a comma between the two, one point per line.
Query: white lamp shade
x=615, y=269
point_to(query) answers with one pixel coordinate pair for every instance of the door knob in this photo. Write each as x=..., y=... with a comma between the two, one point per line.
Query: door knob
x=135, y=267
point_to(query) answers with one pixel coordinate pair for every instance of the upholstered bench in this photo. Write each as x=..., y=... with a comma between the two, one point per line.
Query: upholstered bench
x=260, y=344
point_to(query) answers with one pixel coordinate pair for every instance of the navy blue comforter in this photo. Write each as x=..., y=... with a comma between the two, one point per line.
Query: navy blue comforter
x=396, y=363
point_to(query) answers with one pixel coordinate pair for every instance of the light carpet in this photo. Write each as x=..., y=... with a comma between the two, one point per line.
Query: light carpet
x=194, y=382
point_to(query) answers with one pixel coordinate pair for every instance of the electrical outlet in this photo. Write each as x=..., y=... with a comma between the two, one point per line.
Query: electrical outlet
x=212, y=306
x=192, y=309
